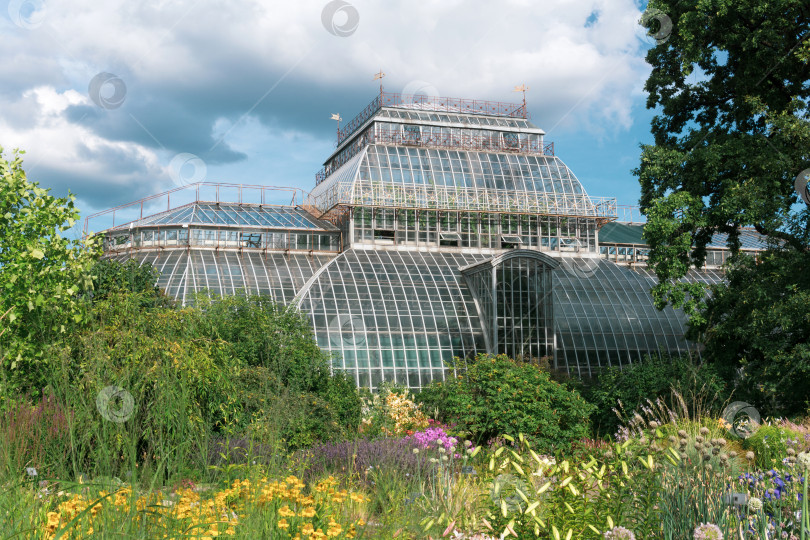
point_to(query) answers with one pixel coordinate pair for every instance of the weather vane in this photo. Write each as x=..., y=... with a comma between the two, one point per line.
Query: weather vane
x=338, y=118
x=522, y=88
x=380, y=76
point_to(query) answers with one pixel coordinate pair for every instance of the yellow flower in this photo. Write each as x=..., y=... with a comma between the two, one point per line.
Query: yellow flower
x=308, y=512
x=282, y=524
x=307, y=529
x=285, y=511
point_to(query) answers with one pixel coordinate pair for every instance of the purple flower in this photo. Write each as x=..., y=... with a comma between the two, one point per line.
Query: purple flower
x=428, y=438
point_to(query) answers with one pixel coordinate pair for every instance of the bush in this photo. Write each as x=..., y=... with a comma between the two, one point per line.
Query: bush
x=187, y=384
x=110, y=277
x=277, y=348
x=495, y=396
x=264, y=333
x=770, y=444
x=700, y=385
x=182, y=387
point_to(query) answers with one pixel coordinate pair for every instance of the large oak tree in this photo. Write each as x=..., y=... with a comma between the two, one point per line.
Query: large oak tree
x=730, y=85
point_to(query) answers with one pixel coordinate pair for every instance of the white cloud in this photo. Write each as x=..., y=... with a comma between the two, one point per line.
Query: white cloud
x=212, y=62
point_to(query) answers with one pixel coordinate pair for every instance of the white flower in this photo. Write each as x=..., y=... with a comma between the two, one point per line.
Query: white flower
x=804, y=460
x=755, y=504
x=415, y=450
x=30, y=471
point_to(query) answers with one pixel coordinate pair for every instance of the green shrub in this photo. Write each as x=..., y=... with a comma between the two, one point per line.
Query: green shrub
x=702, y=388
x=264, y=333
x=277, y=348
x=111, y=276
x=193, y=373
x=769, y=444
x=495, y=396
x=182, y=387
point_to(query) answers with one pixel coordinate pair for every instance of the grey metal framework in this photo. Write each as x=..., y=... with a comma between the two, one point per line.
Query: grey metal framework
x=185, y=272
x=438, y=228
x=513, y=297
x=393, y=315
x=404, y=177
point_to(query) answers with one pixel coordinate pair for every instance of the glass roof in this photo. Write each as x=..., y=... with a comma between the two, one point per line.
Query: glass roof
x=239, y=215
x=455, y=179
x=604, y=315
x=630, y=234
x=184, y=272
x=393, y=315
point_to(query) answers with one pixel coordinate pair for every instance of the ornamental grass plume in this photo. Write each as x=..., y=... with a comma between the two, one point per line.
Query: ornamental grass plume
x=708, y=531
x=619, y=533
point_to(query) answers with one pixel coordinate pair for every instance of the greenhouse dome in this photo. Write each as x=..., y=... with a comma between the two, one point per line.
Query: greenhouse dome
x=438, y=229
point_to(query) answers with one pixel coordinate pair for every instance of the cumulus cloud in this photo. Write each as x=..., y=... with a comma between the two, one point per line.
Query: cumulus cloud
x=226, y=80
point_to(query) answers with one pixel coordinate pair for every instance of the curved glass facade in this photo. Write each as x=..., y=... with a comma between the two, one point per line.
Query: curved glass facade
x=415, y=177
x=184, y=272
x=393, y=315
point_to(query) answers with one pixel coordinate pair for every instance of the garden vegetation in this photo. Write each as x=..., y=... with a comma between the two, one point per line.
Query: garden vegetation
x=124, y=414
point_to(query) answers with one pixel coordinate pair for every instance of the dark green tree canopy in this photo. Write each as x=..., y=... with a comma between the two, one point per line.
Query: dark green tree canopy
x=731, y=86
x=730, y=83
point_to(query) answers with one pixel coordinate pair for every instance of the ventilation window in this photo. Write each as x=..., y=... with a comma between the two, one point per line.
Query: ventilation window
x=508, y=242
x=411, y=134
x=384, y=235
x=449, y=239
x=251, y=240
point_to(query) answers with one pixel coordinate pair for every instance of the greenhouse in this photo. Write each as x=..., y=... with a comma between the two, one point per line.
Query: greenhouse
x=438, y=228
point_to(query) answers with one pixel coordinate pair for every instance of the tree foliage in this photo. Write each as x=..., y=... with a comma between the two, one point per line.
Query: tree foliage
x=41, y=271
x=760, y=322
x=110, y=276
x=731, y=134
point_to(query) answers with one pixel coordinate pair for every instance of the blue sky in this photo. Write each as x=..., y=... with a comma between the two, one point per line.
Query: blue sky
x=103, y=96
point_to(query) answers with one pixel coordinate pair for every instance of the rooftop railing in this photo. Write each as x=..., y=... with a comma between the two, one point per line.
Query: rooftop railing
x=124, y=214
x=430, y=103
x=426, y=196
x=630, y=214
